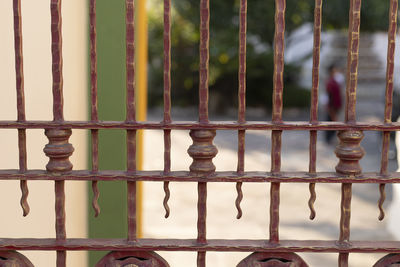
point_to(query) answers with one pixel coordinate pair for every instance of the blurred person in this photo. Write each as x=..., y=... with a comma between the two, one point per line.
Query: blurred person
x=333, y=90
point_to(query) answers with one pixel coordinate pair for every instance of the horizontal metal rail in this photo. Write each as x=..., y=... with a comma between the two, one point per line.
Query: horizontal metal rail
x=243, y=245
x=185, y=176
x=218, y=125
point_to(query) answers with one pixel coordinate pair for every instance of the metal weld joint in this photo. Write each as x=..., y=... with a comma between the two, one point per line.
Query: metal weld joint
x=202, y=151
x=58, y=150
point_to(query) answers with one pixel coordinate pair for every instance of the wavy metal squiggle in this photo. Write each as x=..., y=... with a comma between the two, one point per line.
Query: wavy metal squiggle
x=311, y=201
x=381, y=201
x=24, y=197
x=166, y=198
x=96, y=195
x=239, y=199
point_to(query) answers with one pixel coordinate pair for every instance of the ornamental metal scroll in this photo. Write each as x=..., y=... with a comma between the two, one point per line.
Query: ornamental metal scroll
x=132, y=259
x=13, y=259
x=390, y=260
x=259, y=259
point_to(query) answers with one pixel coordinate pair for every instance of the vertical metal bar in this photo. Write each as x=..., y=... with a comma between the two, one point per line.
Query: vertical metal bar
x=130, y=61
x=19, y=71
x=201, y=259
x=167, y=61
x=204, y=59
x=56, y=48
x=201, y=222
x=316, y=62
x=60, y=221
x=242, y=99
x=350, y=116
x=94, y=109
x=280, y=7
x=203, y=118
x=352, y=60
x=131, y=166
x=93, y=60
x=19, y=63
x=343, y=260
x=275, y=188
x=240, y=170
x=202, y=208
x=242, y=60
x=167, y=169
x=345, y=212
x=167, y=99
x=22, y=168
x=388, y=98
x=131, y=116
x=314, y=100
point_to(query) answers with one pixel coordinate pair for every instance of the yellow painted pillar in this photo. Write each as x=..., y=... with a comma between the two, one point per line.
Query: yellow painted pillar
x=141, y=86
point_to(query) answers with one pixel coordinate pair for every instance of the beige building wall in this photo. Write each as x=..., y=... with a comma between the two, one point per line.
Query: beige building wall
x=38, y=97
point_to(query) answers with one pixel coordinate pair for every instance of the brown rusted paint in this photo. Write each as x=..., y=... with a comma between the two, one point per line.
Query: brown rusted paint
x=191, y=125
x=167, y=100
x=388, y=98
x=131, y=185
x=132, y=258
x=352, y=60
x=242, y=245
x=202, y=151
x=273, y=260
x=58, y=150
x=14, y=259
x=390, y=60
x=204, y=59
x=19, y=73
x=167, y=169
x=93, y=102
x=381, y=201
x=277, y=106
x=390, y=260
x=167, y=61
x=241, y=99
x=311, y=201
x=131, y=117
x=343, y=260
x=314, y=100
x=279, y=47
x=56, y=51
x=349, y=152
x=186, y=176
x=242, y=61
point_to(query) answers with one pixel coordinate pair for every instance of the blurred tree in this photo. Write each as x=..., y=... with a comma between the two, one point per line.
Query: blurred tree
x=224, y=26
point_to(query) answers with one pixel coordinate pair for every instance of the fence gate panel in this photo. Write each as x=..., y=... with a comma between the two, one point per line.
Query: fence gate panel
x=135, y=251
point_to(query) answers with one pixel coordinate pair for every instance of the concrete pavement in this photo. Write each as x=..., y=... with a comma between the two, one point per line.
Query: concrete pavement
x=294, y=222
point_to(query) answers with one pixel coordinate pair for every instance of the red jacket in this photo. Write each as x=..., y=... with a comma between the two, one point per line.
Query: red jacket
x=334, y=94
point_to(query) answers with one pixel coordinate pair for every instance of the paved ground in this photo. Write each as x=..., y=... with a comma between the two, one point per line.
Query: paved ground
x=294, y=222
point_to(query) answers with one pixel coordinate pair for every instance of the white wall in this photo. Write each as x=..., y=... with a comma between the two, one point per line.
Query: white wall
x=38, y=80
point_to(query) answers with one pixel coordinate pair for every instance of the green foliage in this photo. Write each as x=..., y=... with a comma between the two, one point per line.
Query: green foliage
x=224, y=27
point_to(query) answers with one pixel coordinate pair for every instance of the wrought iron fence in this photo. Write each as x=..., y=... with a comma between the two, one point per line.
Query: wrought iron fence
x=134, y=251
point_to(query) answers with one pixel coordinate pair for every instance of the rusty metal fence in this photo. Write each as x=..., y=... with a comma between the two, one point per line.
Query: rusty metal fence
x=134, y=251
